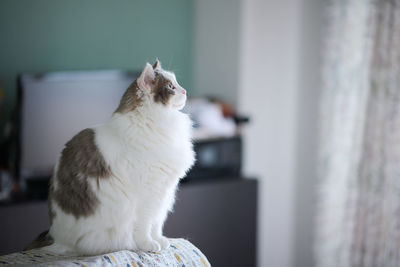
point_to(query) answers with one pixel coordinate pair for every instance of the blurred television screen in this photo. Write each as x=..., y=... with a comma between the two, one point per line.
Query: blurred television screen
x=56, y=106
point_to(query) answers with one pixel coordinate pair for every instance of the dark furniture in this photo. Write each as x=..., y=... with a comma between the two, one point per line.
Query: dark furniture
x=219, y=217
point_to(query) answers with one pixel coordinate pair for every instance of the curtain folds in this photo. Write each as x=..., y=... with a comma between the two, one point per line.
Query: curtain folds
x=358, y=222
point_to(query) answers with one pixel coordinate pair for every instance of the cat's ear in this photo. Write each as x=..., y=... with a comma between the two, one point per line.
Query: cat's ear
x=157, y=65
x=146, y=78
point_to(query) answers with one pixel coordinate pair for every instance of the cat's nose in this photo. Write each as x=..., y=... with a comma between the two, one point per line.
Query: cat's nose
x=184, y=91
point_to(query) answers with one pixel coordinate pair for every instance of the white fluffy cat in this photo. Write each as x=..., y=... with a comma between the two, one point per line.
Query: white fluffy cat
x=114, y=183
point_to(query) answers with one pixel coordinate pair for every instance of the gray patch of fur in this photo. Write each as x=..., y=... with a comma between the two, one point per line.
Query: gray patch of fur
x=157, y=65
x=162, y=93
x=43, y=240
x=79, y=160
x=130, y=100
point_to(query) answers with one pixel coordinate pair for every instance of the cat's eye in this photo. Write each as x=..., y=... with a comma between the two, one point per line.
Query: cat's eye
x=170, y=86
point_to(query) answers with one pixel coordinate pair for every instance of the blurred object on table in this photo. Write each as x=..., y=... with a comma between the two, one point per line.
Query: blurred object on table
x=213, y=118
x=217, y=139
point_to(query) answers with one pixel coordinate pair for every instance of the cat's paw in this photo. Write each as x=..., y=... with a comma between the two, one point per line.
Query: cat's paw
x=149, y=245
x=163, y=241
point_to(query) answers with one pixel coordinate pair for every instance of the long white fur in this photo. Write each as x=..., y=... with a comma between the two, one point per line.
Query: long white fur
x=148, y=150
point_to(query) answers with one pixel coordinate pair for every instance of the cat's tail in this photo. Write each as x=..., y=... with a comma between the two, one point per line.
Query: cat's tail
x=43, y=240
x=59, y=249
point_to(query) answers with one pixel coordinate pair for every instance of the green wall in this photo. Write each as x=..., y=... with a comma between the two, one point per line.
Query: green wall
x=50, y=35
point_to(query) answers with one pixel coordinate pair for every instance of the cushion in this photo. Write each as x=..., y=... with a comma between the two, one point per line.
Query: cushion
x=180, y=253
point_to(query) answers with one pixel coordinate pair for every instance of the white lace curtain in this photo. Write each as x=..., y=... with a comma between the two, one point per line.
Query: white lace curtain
x=358, y=222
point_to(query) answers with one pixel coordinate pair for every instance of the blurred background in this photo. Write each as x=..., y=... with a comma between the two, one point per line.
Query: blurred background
x=286, y=87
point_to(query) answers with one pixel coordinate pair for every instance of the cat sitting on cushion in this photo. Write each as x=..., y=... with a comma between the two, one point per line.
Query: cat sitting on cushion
x=115, y=183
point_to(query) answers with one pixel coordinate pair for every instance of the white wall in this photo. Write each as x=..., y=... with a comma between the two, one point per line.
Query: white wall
x=216, y=49
x=269, y=93
x=271, y=74
x=312, y=23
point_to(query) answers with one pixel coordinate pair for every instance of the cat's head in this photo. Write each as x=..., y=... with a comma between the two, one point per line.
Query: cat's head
x=160, y=86
x=155, y=86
